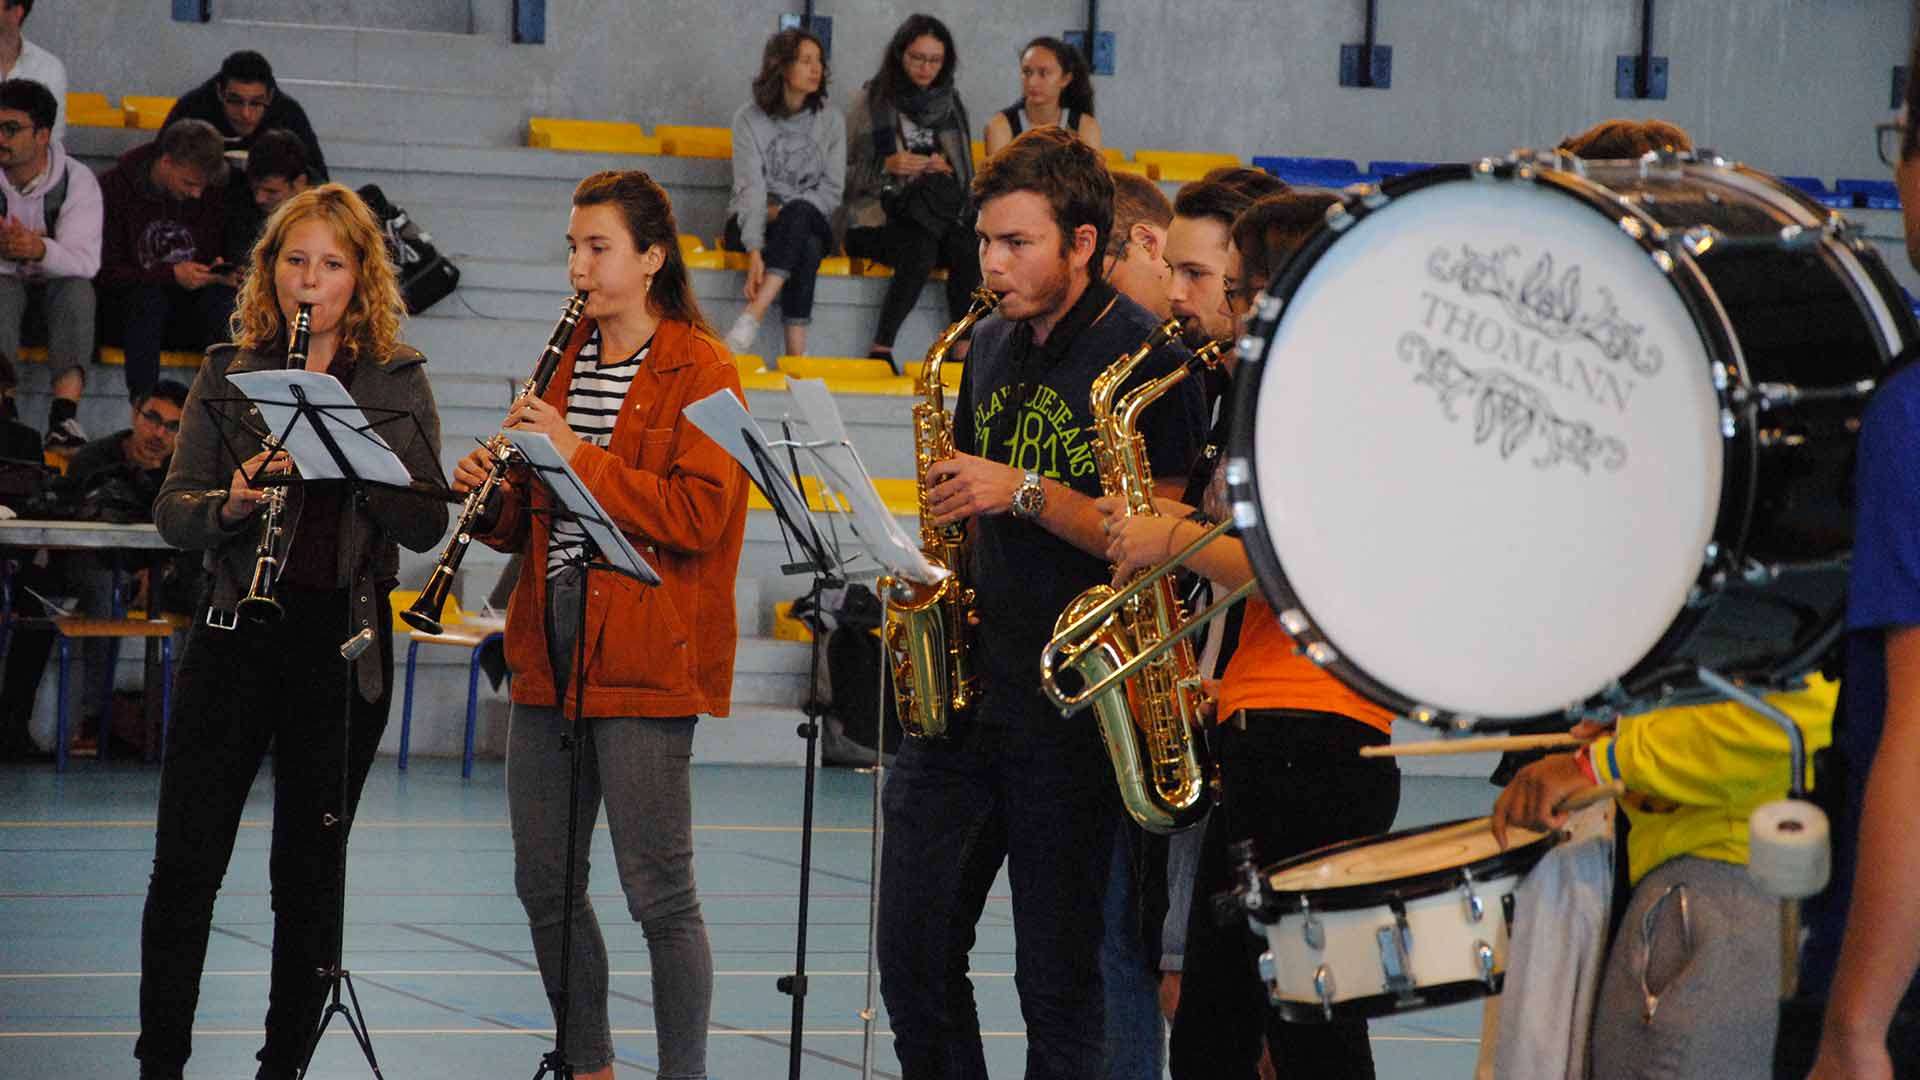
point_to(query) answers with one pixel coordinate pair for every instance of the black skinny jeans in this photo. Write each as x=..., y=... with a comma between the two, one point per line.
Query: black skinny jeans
x=239, y=691
x=144, y=319
x=794, y=244
x=914, y=253
x=1294, y=781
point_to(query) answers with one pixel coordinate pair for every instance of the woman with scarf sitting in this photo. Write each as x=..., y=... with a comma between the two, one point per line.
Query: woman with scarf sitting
x=909, y=161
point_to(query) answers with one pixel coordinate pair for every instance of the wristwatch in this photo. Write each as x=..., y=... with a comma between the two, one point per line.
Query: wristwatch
x=1029, y=499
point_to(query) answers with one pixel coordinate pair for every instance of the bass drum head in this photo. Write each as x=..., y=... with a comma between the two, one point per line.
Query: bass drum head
x=1486, y=450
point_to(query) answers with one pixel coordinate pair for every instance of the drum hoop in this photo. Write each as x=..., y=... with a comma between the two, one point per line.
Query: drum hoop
x=1714, y=329
x=1515, y=860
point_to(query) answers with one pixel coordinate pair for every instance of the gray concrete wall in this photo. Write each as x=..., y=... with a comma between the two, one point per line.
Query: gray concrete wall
x=1791, y=85
x=444, y=16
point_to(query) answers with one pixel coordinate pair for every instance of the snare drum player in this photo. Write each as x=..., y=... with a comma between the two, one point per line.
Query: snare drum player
x=1289, y=735
x=1872, y=995
x=1014, y=782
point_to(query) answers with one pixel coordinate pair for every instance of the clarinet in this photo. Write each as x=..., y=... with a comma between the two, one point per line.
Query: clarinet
x=424, y=613
x=259, y=606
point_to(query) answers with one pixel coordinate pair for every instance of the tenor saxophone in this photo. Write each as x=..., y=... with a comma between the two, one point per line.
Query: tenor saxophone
x=1148, y=721
x=928, y=627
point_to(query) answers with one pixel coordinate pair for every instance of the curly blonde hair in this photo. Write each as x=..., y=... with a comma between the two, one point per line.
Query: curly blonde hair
x=371, y=325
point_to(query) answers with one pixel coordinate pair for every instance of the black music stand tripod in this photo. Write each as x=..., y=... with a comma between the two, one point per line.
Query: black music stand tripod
x=344, y=447
x=605, y=550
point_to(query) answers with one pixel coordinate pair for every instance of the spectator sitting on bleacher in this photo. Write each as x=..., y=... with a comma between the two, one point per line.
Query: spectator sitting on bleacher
x=789, y=170
x=22, y=59
x=276, y=171
x=1056, y=88
x=243, y=102
x=909, y=161
x=162, y=276
x=113, y=478
x=49, y=242
x=1136, y=262
x=18, y=441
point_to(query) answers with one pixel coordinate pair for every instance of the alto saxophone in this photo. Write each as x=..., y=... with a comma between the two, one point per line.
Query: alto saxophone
x=1148, y=721
x=424, y=613
x=927, y=627
x=259, y=605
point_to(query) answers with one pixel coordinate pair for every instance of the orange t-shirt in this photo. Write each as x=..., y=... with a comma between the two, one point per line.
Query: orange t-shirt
x=1267, y=673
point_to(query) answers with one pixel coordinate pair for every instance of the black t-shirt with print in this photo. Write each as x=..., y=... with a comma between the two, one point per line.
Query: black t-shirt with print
x=1026, y=406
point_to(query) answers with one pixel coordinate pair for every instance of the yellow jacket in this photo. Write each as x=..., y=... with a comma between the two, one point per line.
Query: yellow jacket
x=1695, y=773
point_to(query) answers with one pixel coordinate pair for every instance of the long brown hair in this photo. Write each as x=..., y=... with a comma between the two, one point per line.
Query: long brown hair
x=770, y=86
x=649, y=215
x=370, y=329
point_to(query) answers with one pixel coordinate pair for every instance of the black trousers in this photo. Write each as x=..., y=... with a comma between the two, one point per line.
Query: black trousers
x=1294, y=781
x=144, y=319
x=240, y=691
x=795, y=243
x=914, y=253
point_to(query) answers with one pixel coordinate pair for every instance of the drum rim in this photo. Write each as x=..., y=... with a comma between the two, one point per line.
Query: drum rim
x=1373, y=1006
x=1517, y=859
x=1739, y=451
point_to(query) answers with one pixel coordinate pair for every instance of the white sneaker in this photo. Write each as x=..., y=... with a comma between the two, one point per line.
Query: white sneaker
x=746, y=328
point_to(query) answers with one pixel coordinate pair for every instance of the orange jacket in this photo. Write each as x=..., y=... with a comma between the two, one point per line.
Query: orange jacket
x=682, y=503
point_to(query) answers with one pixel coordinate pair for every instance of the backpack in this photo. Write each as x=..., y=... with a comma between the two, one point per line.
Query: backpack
x=426, y=277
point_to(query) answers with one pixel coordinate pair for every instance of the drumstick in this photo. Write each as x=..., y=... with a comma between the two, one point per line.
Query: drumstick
x=1484, y=743
x=1588, y=796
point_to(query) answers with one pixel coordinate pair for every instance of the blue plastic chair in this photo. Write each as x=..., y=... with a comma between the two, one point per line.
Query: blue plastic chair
x=1312, y=171
x=1871, y=194
x=475, y=638
x=1397, y=168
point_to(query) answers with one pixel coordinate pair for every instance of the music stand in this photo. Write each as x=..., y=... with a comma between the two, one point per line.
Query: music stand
x=336, y=441
x=604, y=549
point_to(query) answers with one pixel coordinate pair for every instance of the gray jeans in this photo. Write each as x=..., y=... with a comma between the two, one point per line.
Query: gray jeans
x=642, y=768
x=1703, y=943
x=68, y=303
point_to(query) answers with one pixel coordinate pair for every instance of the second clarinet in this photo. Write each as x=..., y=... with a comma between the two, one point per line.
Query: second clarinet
x=259, y=606
x=424, y=613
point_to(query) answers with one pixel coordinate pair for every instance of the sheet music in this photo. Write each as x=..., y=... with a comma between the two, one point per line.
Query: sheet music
x=890, y=545
x=725, y=421
x=574, y=497
x=368, y=454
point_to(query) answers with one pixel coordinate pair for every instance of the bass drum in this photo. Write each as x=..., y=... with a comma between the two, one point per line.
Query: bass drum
x=1530, y=438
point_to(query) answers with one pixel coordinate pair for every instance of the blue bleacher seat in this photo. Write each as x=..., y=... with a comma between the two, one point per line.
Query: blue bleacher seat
x=1872, y=194
x=1311, y=171
x=1812, y=185
x=1397, y=168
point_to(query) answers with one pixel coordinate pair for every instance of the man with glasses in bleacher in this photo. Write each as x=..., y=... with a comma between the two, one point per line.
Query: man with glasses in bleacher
x=244, y=102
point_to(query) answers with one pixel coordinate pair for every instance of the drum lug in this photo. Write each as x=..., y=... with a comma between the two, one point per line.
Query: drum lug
x=1294, y=622
x=1483, y=952
x=1756, y=572
x=1322, y=654
x=1729, y=424
x=1311, y=931
x=1323, y=988
x=1396, y=957
x=1476, y=909
x=1339, y=218
x=1701, y=239
x=1633, y=226
x=1269, y=972
x=1661, y=258
x=1484, y=169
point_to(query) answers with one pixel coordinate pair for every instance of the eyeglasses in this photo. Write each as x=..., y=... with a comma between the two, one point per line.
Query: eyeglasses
x=13, y=127
x=256, y=104
x=1889, y=139
x=926, y=59
x=151, y=416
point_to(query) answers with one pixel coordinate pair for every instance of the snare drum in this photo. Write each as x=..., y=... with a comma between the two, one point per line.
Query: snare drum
x=1406, y=921
x=1529, y=438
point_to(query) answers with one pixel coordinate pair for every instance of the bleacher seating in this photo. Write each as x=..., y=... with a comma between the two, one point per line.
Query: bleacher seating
x=145, y=111
x=1384, y=169
x=1181, y=166
x=93, y=110
x=591, y=136
x=1870, y=194
x=1312, y=171
x=680, y=140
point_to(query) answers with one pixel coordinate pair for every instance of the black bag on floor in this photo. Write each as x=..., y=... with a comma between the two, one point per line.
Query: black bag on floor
x=426, y=277
x=848, y=615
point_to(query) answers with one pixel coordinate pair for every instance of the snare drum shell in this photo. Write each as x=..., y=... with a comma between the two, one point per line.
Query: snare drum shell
x=1445, y=965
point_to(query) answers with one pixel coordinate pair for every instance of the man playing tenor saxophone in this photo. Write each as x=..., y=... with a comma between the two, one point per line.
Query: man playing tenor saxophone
x=1016, y=782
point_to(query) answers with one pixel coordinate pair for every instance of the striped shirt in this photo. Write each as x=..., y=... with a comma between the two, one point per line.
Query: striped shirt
x=593, y=407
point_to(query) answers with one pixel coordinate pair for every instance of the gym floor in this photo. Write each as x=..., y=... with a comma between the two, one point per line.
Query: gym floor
x=437, y=942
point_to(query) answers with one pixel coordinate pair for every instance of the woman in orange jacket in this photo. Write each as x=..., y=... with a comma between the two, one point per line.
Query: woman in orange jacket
x=656, y=657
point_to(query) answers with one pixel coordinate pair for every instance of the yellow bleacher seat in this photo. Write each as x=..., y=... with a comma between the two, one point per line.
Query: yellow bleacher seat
x=1180, y=166
x=705, y=260
x=145, y=111
x=92, y=110
x=690, y=245
x=979, y=153
x=702, y=142
x=590, y=136
x=901, y=496
x=835, y=367
x=1134, y=167
x=1113, y=156
x=868, y=268
x=836, y=266
x=786, y=627
x=949, y=372
x=111, y=354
